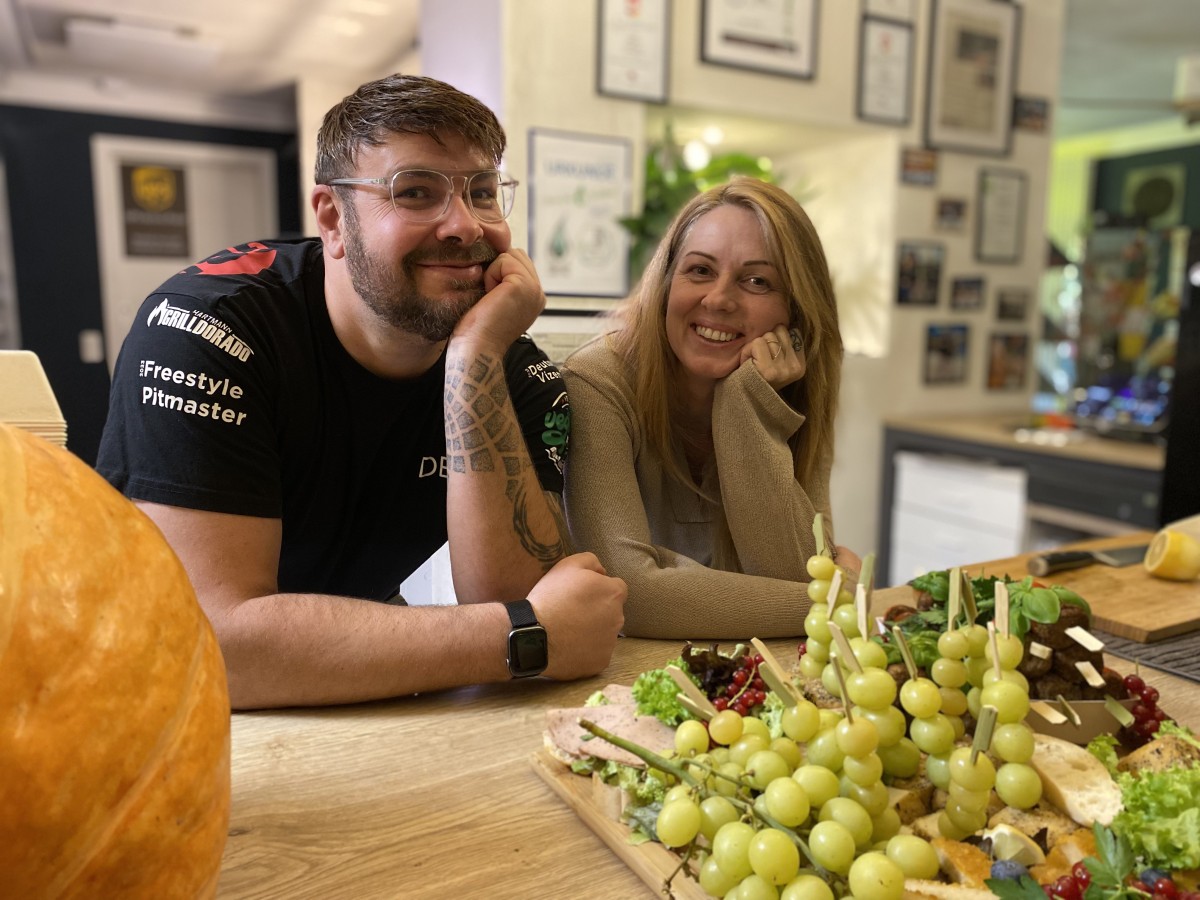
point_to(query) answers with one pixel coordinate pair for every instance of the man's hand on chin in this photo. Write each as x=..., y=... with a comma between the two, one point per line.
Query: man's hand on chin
x=513, y=299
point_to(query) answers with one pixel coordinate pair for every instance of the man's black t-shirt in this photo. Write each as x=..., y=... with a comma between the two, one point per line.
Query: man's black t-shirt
x=233, y=394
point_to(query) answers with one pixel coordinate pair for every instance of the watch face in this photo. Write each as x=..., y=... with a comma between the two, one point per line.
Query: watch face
x=526, y=651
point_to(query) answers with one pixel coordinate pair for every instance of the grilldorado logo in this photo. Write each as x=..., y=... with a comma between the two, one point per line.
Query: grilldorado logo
x=212, y=330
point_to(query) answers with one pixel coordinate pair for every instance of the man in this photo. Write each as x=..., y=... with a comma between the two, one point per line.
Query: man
x=307, y=421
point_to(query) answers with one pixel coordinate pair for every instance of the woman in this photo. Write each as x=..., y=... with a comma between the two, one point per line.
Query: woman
x=689, y=473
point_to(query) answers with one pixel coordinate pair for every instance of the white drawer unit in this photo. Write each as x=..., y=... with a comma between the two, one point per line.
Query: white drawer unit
x=950, y=511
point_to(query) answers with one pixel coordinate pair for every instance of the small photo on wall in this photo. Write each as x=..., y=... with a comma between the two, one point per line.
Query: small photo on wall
x=919, y=273
x=966, y=293
x=946, y=354
x=1012, y=304
x=1007, y=361
x=951, y=214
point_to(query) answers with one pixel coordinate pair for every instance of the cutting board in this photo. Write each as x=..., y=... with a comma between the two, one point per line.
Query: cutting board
x=651, y=862
x=1126, y=601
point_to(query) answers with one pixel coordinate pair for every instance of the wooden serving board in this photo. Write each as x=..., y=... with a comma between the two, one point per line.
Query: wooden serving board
x=651, y=862
x=1125, y=601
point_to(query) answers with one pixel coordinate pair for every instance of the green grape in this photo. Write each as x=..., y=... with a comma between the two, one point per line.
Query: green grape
x=730, y=848
x=901, y=760
x=678, y=823
x=872, y=797
x=885, y=826
x=829, y=679
x=764, y=767
x=807, y=887
x=816, y=623
x=1013, y=742
x=819, y=783
x=800, y=722
x=914, y=856
x=846, y=618
x=725, y=727
x=969, y=821
x=857, y=737
x=818, y=650
x=720, y=755
x=871, y=655
x=844, y=598
x=1010, y=701
x=863, y=770
x=774, y=856
x=828, y=718
x=811, y=667
x=979, y=775
x=823, y=750
x=691, y=738
x=875, y=877
x=977, y=639
x=760, y=806
x=1018, y=785
x=789, y=750
x=755, y=725
x=934, y=734
x=952, y=645
x=787, y=802
x=949, y=672
x=889, y=721
x=871, y=688
x=819, y=566
x=754, y=887
x=974, y=703
x=855, y=819
x=954, y=701
x=990, y=676
x=832, y=846
x=714, y=881
x=679, y=792
x=746, y=746
x=1011, y=650
x=818, y=590
x=937, y=769
x=724, y=786
x=716, y=811
x=970, y=800
x=920, y=697
x=948, y=829
x=960, y=727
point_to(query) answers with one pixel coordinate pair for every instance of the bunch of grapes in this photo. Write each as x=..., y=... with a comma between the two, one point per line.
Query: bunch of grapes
x=1147, y=715
x=746, y=690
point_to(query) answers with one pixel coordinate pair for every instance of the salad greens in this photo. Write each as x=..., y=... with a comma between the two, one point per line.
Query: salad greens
x=1113, y=864
x=655, y=691
x=1029, y=602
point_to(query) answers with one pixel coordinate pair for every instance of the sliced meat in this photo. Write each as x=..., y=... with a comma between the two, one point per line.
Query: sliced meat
x=565, y=733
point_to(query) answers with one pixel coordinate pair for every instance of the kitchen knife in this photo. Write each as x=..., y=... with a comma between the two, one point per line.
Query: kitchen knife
x=1076, y=559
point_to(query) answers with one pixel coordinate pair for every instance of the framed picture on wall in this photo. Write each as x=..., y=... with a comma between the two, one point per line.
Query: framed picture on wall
x=946, y=354
x=776, y=38
x=919, y=272
x=579, y=187
x=966, y=292
x=950, y=214
x=918, y=166
x=1007, y=361
x=1000, y=218
x=634, y=49
x=1012, y=304
x=885, y=71
x=972, y=63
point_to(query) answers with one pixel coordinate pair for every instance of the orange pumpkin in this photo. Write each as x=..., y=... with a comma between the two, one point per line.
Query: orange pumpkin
x=114, y=712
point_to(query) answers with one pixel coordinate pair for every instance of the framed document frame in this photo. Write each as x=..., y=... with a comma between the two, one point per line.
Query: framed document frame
x=885, y=71
x=972, y=63
x=633, y=49
x=1000, y=215
x=778, y=37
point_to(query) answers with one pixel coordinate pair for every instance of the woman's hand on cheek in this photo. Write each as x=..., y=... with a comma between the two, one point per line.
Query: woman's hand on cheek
x=779, y=358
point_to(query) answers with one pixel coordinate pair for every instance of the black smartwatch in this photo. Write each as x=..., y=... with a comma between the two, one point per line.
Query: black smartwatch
x=526, y=642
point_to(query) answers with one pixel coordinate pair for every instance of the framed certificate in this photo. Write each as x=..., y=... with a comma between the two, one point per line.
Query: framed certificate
x=972, y=63
x=774, y=36
x=579, y=190
x=1000, y=215
x=885, y=71
x=633, y=49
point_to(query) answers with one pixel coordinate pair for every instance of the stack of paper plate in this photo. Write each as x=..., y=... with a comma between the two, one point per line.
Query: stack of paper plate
x=26, y=399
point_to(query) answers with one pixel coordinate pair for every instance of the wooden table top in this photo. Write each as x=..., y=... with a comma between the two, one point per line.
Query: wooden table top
x=434, y=796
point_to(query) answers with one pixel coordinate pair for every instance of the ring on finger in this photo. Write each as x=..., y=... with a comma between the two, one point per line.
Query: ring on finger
x=775, y=348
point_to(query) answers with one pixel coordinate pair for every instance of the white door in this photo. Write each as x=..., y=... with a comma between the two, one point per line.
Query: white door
x=229, y=198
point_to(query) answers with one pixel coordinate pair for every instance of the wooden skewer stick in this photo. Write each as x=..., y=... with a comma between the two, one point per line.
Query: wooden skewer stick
x=867, y=576
x=983, y=732
x=844, y=649
x=774, y=675
x=846, y=704
x=693, y=693
x=1002, y=608
x=819, y=535
x=991, y=627
x=860, y=609
x=968, y=598
x=835, y=588
x=905, y=652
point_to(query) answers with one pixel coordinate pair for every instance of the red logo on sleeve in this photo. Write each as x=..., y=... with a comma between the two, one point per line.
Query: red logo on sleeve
x=249, y=259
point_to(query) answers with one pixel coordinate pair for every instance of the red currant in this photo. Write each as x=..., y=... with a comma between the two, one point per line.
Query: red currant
x=1166, y=887
x=1134, y=684
x=1066, y=888
x=1150, y=696
x=1081, y=874
x=720, y=704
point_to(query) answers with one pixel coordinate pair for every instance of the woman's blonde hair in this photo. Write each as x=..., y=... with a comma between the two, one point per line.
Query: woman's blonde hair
x=796, y=251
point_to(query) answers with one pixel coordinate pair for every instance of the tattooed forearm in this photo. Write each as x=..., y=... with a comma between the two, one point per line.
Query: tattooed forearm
x=482, y=436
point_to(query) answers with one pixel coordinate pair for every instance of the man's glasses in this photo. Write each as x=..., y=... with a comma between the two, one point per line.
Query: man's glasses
x=423, y=195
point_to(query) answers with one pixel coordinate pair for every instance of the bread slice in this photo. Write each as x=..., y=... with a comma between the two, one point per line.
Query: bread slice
x=921, y=889
x=1160, y=754
x=1075, y=781
x=965, y=864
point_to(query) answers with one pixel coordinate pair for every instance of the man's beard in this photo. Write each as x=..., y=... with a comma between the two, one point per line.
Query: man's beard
x=391, y=293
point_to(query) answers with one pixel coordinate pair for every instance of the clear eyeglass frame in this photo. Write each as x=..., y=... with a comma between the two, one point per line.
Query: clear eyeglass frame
x=423, y=195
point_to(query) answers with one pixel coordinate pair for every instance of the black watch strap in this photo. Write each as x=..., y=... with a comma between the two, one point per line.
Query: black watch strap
x=520, y=613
